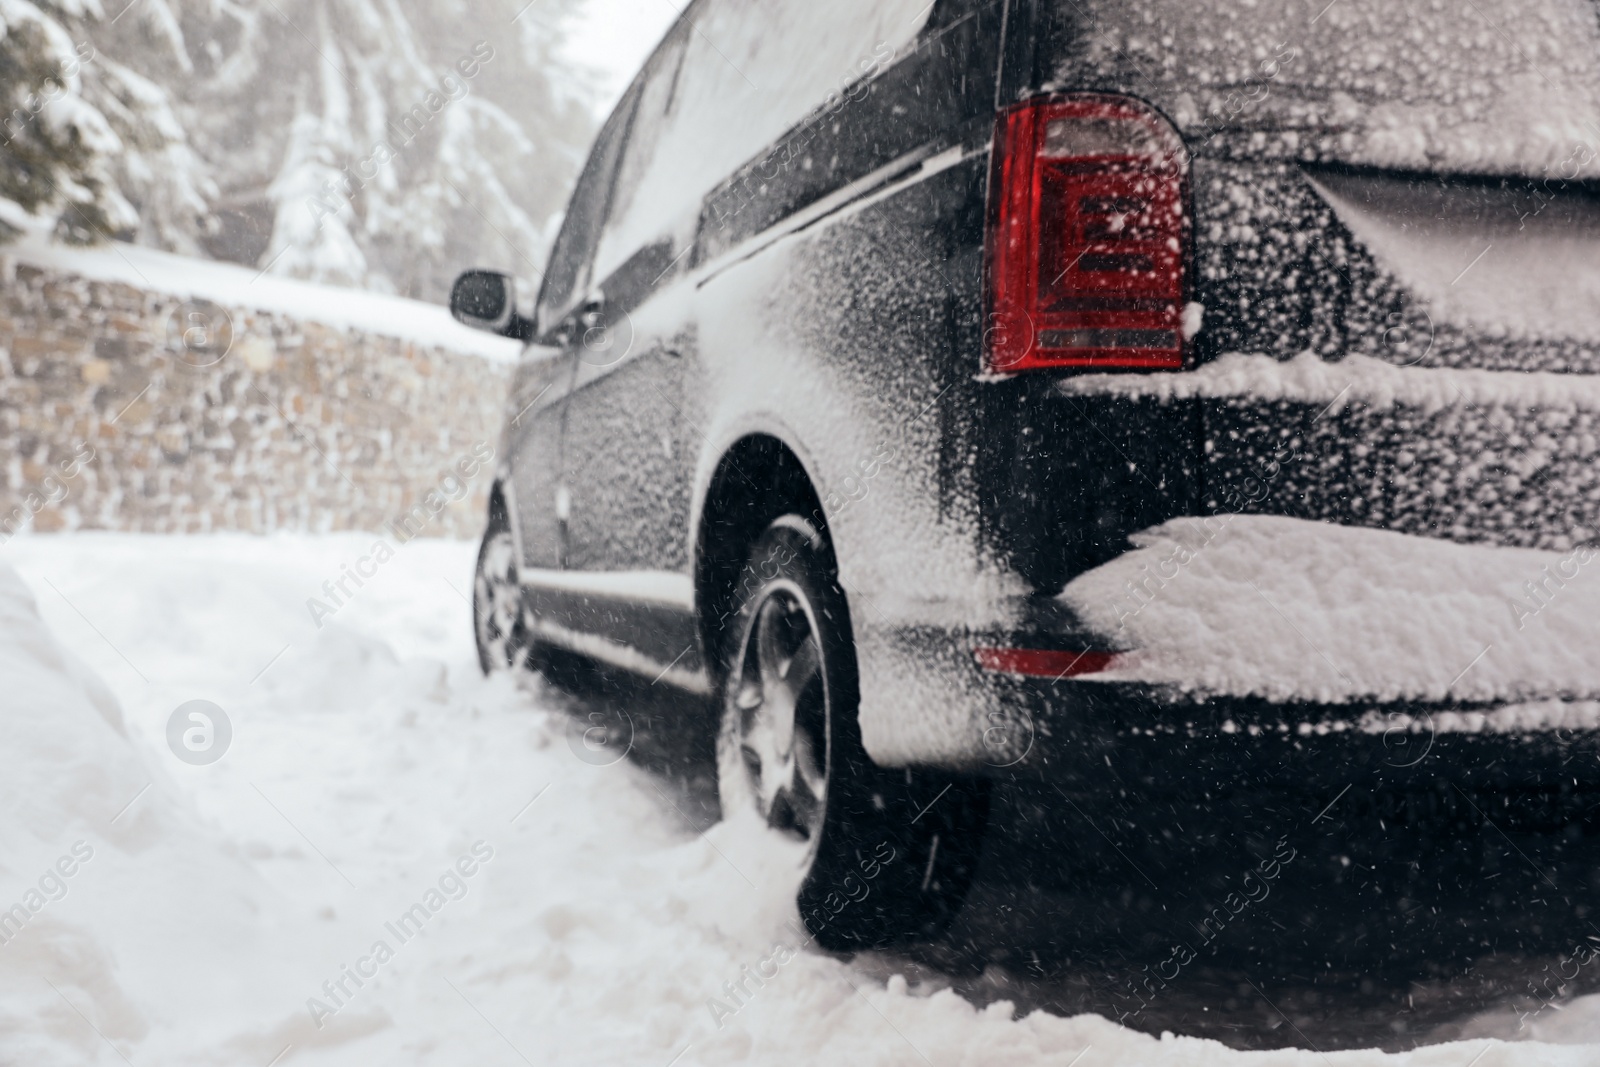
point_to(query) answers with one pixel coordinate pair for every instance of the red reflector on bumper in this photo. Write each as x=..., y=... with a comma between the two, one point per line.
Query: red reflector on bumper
x=1042, y=663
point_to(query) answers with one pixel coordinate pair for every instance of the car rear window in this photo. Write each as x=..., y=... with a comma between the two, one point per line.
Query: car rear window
x=752, y=70
x=1486, y=86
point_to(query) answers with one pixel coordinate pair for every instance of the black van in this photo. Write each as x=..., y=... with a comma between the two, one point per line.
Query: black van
x=1119, y=393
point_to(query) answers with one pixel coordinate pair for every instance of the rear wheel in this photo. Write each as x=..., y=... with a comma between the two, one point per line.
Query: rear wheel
x=502, y=637
x=890, y=853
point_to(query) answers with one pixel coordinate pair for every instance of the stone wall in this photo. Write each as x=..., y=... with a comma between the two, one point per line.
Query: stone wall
x=122, y=409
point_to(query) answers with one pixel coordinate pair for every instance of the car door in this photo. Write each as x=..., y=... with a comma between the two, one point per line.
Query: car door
x=717, y=99
x=532, y=443
x=537, y=405
x=628, y=453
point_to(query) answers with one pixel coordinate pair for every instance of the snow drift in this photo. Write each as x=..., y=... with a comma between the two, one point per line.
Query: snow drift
x=368, y=757
x=151, y=901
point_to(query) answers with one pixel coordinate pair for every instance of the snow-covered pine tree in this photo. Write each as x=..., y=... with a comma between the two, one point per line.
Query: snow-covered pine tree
x=57, y=151
x=378, y=143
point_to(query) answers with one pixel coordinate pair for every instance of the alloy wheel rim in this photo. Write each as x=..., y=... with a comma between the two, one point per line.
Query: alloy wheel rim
x=497, y=600
x=780, y=698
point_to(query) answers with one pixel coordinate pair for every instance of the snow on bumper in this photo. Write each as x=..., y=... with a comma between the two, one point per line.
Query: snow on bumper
x=1257, y=645
x=1292, y=610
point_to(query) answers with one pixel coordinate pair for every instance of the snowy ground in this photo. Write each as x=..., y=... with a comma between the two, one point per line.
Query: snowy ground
x=369, y=757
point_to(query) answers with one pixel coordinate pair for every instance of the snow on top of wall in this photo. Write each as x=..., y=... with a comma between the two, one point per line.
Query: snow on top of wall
x=1285, y=609
x=239, y=287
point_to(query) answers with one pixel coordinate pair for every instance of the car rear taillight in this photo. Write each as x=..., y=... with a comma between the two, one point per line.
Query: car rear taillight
x=1043, y=663
x=1088, y=236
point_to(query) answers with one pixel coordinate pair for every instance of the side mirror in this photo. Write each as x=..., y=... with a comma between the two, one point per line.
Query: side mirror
x=487, y=300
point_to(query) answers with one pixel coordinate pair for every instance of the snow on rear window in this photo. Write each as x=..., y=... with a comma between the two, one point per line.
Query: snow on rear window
x=1491, y=86
x=753, y=70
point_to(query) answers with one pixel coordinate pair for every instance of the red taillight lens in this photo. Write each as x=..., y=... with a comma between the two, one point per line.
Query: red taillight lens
x=1088, y=238
x=1043, y=663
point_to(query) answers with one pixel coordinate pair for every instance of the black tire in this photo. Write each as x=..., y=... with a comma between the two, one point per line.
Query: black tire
x=891, y=852
x=498, y=626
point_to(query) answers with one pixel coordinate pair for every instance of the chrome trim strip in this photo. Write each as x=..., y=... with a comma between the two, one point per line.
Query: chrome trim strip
x=621, y=656
x=667, y=588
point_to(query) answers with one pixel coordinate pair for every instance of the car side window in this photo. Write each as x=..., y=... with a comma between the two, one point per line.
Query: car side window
x=633, y=221
x=749, y=72
x=569, y=273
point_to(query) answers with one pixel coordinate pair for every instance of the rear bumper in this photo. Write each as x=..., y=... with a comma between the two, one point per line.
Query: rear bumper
x=1089, y=736
x=927, y=700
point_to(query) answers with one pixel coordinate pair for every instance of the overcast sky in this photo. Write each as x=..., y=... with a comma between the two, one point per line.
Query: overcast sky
x=616, y=36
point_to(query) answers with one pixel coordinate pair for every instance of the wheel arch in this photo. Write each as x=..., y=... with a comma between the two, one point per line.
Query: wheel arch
x=758, y=478
x=502, y=499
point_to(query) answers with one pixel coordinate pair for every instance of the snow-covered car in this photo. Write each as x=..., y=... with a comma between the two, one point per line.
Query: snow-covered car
x=1147, y=394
